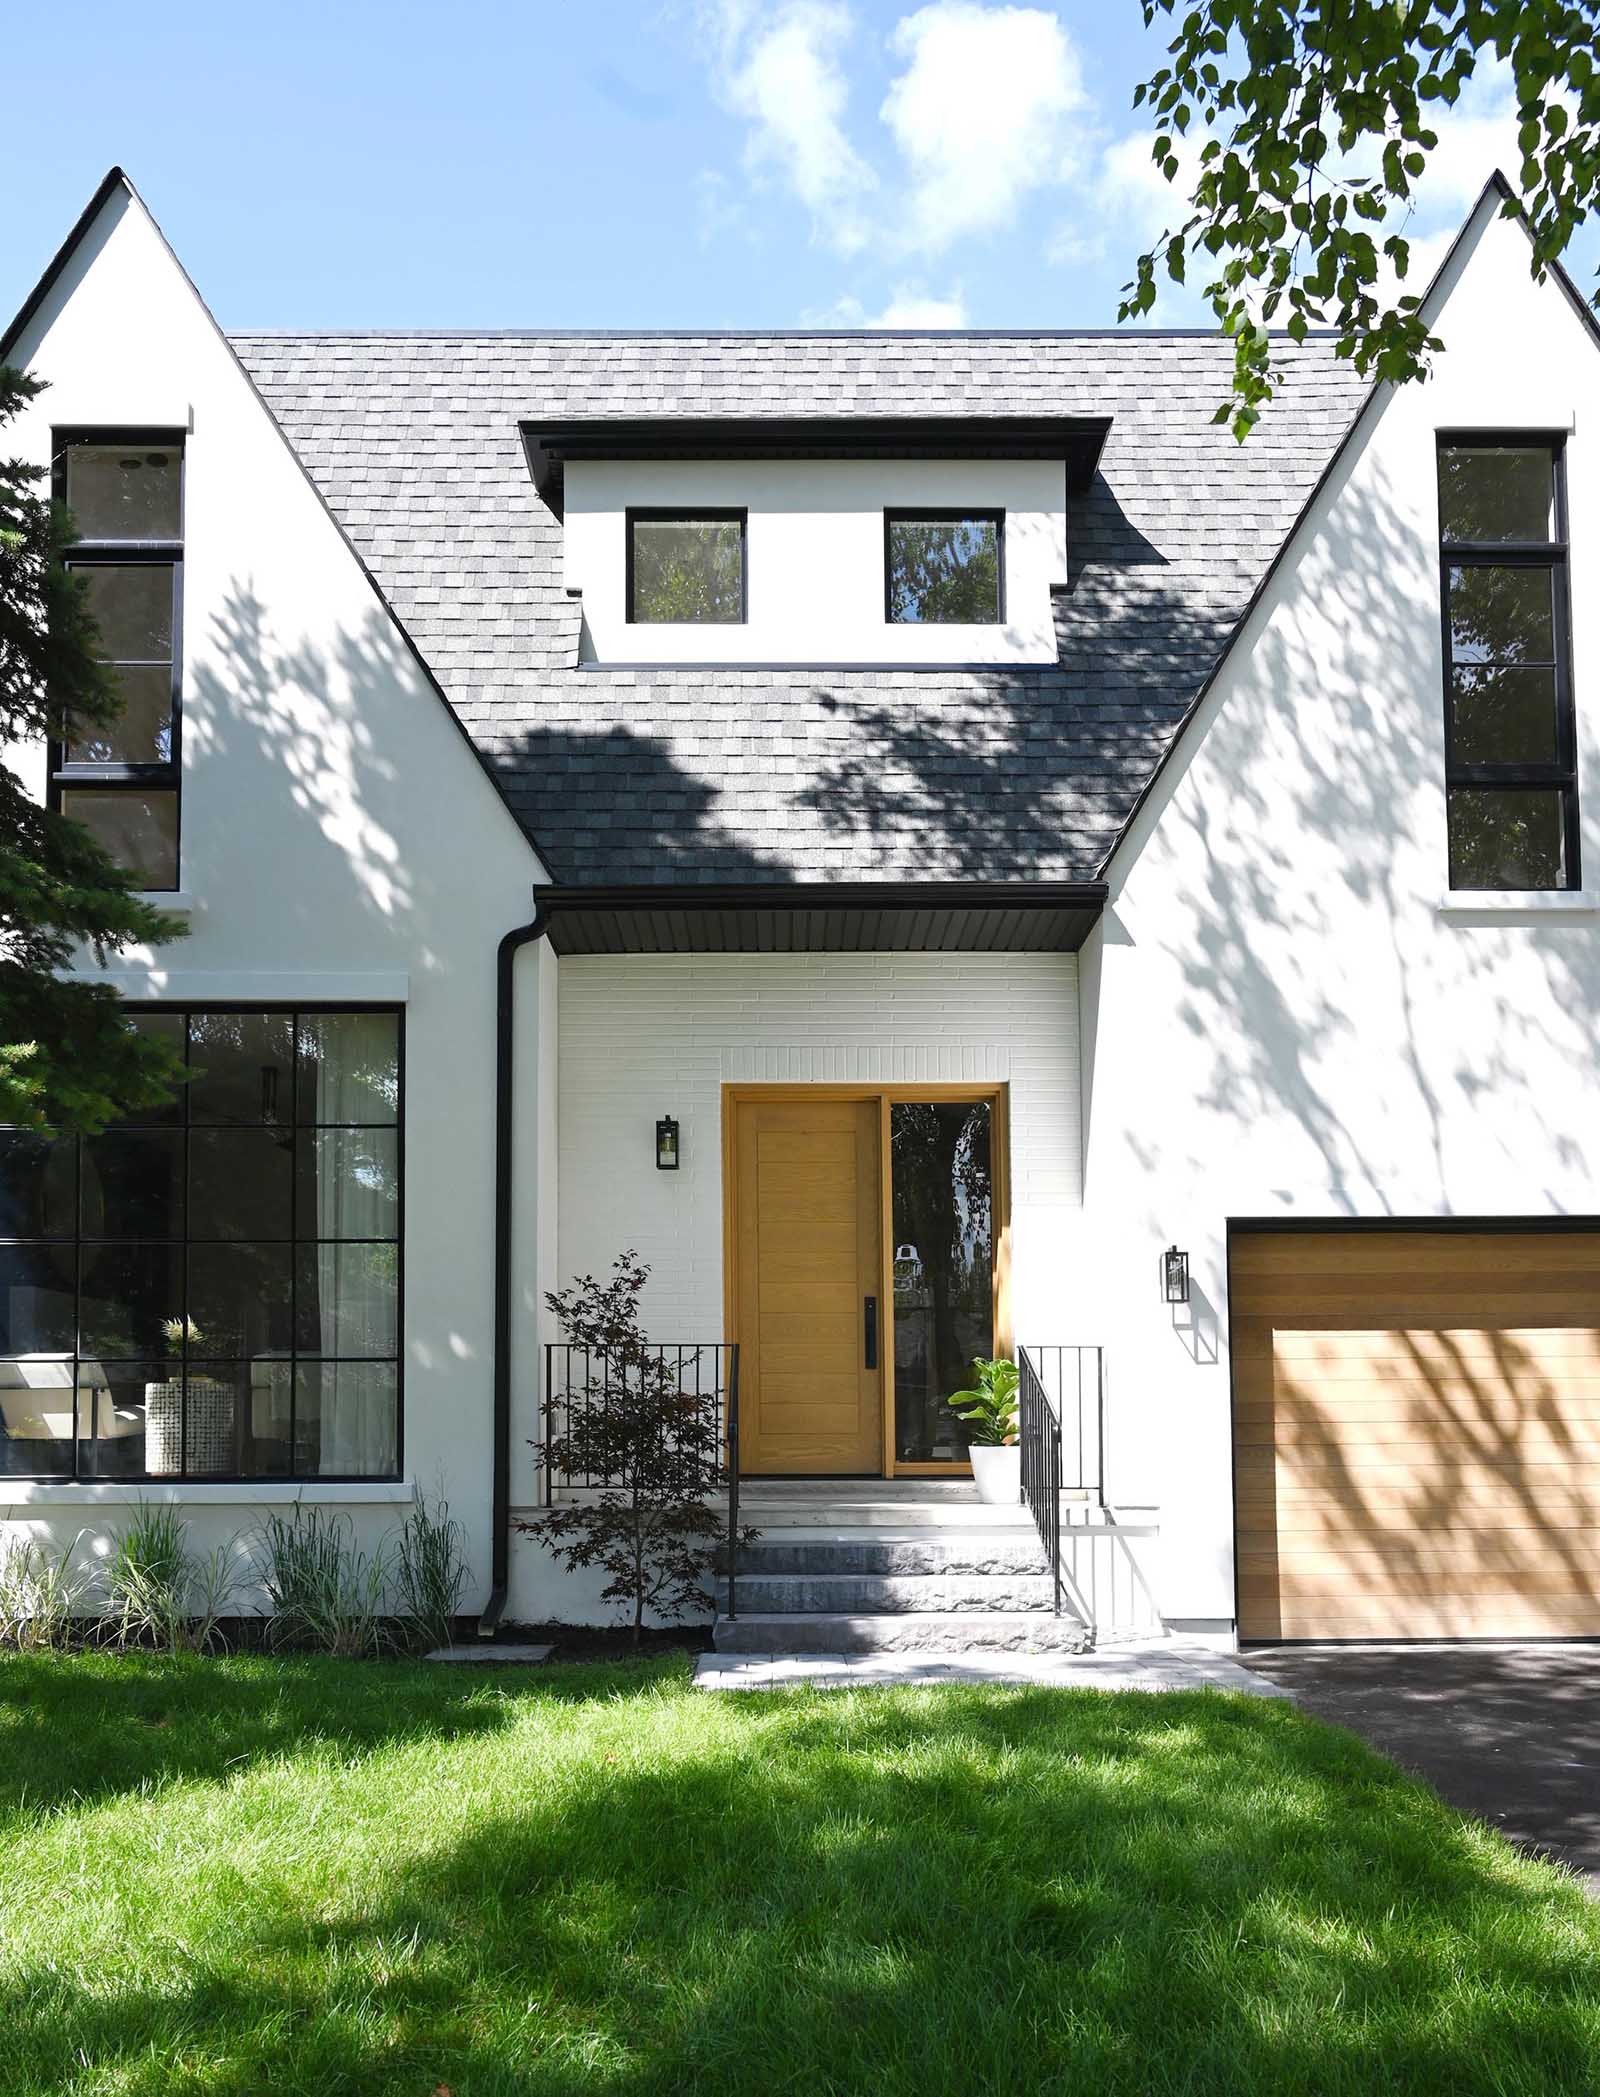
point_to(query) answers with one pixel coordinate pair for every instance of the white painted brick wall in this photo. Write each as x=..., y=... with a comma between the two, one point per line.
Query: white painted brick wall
x=661, y=1034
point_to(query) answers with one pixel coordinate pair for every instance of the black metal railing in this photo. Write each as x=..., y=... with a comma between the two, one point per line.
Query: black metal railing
x=1061, y=1430
x=583, y=1382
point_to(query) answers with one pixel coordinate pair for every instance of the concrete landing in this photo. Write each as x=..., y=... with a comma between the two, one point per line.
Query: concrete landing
x=486, y=1653
x=1157, y=1664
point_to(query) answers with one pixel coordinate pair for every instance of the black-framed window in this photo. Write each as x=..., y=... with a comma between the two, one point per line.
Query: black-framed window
x=213, y=1289
x=686, y=567
x=944, y=567
x=125, y=490
x=1511, y=762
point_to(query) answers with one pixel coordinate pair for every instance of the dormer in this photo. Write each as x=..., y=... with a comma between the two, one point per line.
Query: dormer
x=816, y=542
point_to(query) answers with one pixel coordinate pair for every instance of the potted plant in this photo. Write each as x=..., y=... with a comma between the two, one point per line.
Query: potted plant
x=989, y=1413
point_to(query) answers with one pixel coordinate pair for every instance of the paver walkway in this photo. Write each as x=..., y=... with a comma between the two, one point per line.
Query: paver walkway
x=1153, y=1664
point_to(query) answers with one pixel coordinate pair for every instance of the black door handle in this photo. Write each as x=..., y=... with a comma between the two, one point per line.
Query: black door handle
x=871, y=1321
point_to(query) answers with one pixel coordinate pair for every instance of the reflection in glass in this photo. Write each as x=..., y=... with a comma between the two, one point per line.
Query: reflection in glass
x=1496, y=493
x=240, y=1065
x=687, y=571
x=124, y=491
x=943, y=1211
x=138, y=828
x=142, y=733
x=1507, y=837
x=1502, y=615
x=36, y=1311
x=238, y=1299
x=239, y=1183
x=133, y=1184
x=349, y=1184
x=944, y=571
x=131, y=1295
x=349, y=1067
x=1503, y=715
x=36, y=1184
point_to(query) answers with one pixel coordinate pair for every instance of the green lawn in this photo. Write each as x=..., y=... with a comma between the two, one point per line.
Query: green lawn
x=303, y=1877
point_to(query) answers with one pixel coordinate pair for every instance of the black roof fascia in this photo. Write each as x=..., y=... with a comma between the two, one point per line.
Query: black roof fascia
x=823, y=917
x=1077, y=440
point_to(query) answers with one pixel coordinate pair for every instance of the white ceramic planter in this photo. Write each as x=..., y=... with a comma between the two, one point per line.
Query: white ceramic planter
x=997, y=1473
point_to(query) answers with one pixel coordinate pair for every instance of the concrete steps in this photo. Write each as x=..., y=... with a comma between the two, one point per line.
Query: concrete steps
x=880, y=1594
x=874, y=1567
x=916, y=1630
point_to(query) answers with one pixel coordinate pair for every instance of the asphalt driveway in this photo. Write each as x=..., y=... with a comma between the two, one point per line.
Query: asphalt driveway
x=1510, y=1733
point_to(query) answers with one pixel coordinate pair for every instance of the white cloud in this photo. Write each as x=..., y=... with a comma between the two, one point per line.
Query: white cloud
x=909, y=307
x=1132, y=191
x=990, y=105
x=782, y=72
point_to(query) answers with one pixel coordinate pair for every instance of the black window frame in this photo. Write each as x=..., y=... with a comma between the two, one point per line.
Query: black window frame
x=680, y=513
x=160, y=777
x=1552, y=555
x=294, y=1012
x=944, y=516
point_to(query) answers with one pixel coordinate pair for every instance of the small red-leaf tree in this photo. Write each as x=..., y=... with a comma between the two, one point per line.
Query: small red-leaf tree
x=653, y=1451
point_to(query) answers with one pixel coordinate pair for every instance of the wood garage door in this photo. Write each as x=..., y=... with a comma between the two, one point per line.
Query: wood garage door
x=1417, y=1433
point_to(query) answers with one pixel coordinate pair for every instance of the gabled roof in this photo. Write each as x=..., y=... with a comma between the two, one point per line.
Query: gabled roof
x=630, y=776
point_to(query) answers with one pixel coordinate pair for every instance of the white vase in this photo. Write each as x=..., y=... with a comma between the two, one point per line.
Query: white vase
x=997, y=1473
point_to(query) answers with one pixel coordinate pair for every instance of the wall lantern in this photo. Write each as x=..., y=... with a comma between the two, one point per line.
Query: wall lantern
x=1175, y=1275
x=666, y=1145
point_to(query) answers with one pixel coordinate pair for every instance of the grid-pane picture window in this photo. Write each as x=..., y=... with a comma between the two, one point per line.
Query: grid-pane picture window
x=945, y=570
x=686, y=569
x=212, y=1289
x=120, y=778
x=1511, y=766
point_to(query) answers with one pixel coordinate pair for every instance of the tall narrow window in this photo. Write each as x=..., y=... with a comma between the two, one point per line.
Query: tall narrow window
x=943, y=569
x=121, y=780
x=686, y=568
x=1510, y=744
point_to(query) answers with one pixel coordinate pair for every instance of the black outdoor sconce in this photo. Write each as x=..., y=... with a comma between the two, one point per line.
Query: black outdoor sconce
x=1175, y=1275
x=666, y=1144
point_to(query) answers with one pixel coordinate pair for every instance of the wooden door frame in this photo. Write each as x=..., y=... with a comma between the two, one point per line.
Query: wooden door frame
x=998, y=1095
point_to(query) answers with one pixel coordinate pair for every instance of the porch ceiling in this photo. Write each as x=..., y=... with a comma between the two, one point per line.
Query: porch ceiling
x=1040, y=917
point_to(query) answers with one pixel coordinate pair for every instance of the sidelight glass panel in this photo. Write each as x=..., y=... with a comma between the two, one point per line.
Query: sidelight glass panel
x=943, y=1215
x=944, y=571
x=686, y=571
x=1496, y=493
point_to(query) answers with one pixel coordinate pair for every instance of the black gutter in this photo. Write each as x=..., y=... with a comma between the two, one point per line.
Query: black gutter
x=504, y=1110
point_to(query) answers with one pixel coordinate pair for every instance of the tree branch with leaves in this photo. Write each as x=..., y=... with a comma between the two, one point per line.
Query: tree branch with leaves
x=1318, y=121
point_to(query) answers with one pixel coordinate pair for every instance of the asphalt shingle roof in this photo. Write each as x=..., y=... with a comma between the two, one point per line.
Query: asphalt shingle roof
x=645, y=775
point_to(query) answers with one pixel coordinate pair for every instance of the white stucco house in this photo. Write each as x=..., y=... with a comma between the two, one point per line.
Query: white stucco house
x=921, y=836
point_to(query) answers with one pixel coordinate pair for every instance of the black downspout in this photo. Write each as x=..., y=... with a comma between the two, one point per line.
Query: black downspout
x=504, y=1104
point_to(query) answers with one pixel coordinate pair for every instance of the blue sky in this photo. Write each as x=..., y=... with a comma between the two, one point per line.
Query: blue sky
x=626, y=163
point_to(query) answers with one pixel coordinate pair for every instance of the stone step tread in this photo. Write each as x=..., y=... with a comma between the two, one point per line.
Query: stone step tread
x=925, y=1630
x=892, y=1594
x=931, y=1557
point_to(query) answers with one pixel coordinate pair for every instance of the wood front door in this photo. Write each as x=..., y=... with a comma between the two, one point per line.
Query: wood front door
x=807, y=1265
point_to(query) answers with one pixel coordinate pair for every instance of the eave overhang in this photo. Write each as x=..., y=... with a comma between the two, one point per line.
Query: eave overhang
x=1076, y=440
x=936, y=917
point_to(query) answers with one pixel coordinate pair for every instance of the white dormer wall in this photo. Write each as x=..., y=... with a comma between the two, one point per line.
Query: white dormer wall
x=814, y=557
